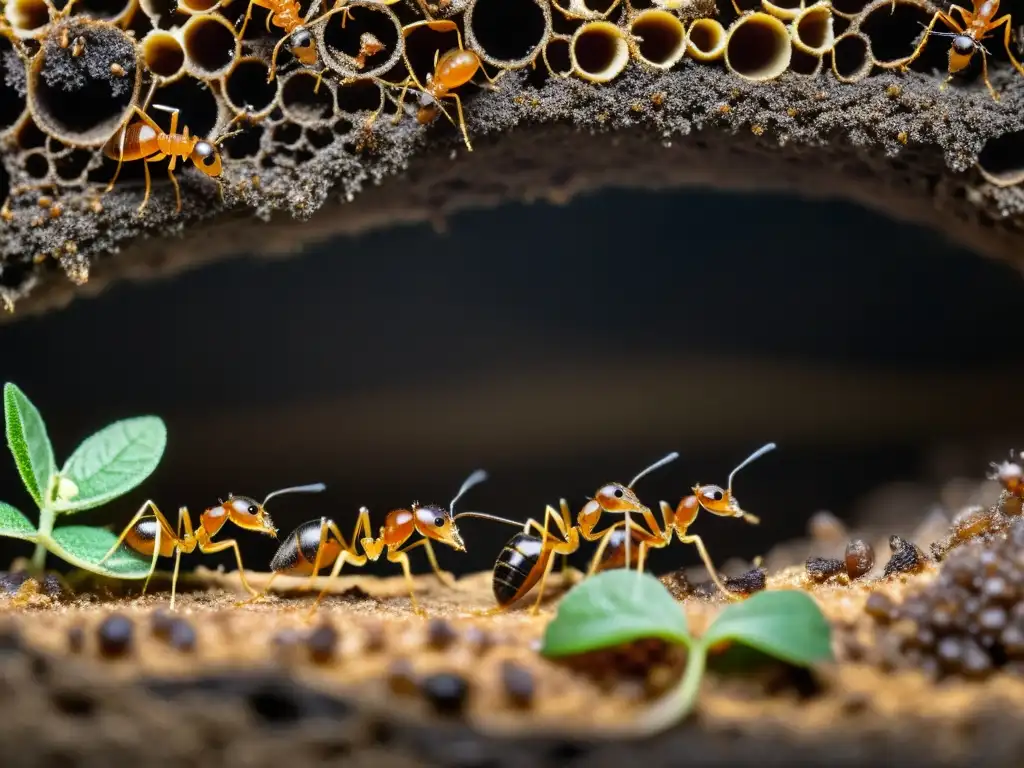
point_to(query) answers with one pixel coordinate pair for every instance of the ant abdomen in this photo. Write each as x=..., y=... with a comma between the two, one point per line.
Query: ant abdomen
x=142, y=538
x=615, y=552
x=298, y=552
x=517, y=568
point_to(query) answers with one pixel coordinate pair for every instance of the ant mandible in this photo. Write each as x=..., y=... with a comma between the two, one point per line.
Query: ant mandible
x=713, y=498
x=309, y=547
x=152, y=535
x=452, y=70
x=966, y=39
x=145, y=140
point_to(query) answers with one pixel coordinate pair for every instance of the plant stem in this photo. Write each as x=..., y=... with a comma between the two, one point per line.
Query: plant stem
x=46, y=518
x=679, y=702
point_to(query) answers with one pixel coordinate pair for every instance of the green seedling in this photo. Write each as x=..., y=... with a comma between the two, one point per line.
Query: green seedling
x=106, y=465
x=618, y=607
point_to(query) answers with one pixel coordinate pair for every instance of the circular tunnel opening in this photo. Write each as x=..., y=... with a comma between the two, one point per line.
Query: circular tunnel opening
x=758, y=48
x=599, y=51
x=507, y=32
x=210, y=44
x=163, y=54
x=370, y=39
x=247, y=86
x=662, y=37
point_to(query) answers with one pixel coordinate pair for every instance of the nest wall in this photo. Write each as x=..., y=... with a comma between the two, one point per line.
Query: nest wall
x=332, y=120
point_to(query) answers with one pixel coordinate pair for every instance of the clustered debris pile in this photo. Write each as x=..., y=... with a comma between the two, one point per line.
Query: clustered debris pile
x=825, y=76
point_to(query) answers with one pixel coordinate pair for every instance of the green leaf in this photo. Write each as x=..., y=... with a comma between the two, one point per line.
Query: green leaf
x=15, y=525
x=28, y=441
x=613, y=608
x=785, y=624
x=112, y=462
x=83, y=547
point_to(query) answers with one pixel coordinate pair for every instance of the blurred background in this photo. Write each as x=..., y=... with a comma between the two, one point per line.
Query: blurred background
x=559, y=348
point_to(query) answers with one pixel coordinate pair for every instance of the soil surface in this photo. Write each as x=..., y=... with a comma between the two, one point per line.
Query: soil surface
x=99, y=674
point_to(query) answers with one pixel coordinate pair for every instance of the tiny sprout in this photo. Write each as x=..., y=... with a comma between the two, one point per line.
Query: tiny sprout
x=618, y=607
x=105, y=466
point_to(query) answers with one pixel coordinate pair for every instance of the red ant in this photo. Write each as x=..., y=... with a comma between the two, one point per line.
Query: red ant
x=966, y=38
x=309, y=547
x=152, y=535
x=452, y=70
x=145, y=140
x=526, y=559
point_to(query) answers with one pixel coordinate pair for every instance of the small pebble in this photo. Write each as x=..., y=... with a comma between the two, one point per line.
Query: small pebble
x=322, y=643
x=478, y=639
x=519, y=684
x=76, y=639
x=183, y=636
x=906, y=557
x=401, y=678
x=161, y=624
x=821, y=569
x=860, y=558
x=440, y=634
x=446, y=692
x=880, y=607
x=114, y=635
x=53, y=587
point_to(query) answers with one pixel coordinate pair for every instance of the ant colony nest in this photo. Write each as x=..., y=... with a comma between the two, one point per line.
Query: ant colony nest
x=276, y=105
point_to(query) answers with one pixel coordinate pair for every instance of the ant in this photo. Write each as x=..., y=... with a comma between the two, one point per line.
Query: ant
x=152, y=535
x=527, y=559
x=713, y=498
x=452, y=70
x=1010, y=474
x=145, y=140
x=966, y=38
x=309, y=547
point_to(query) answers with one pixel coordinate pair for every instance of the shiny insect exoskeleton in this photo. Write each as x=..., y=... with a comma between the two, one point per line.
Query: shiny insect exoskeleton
x=452, y=69
x=151, y=534
x=319, y=544
x=966, y=39
x=145, y=140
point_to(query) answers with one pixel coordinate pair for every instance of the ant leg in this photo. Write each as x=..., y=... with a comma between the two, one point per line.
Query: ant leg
x=308, y=584
x=345, y=557
x=1006, y=41
x=248, y=17
x=443, y=577
x=696, y=541
x=319, y=79
x=273, y=60
x=210, y=548
x=177, y=189
x=902, y=64
x=535, y=608
x=984, y=76
x=174, y=576
x=595, y=561
x=462, y=119
x=145, y=197
x=261, y=595
x=401, y=100
x=399, y=556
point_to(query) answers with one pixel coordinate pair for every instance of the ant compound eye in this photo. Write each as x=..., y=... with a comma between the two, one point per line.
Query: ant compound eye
x=301, y=39
x=438, y=522
x=204, y=151
x=253, y=509
x=618, y=493
x=717, y=495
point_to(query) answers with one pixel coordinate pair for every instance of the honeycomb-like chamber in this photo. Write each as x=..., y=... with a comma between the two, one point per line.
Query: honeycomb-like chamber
x=360, y=85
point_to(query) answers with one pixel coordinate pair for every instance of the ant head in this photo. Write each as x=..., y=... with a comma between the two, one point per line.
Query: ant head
x=435, y=522
x=615, y=497
x=714, y=498
x=206, y=158
x=301, y=45
x=249, y=514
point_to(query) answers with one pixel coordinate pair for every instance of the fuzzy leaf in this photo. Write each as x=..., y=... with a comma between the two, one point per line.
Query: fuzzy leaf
x=28, y=441
x=113, y=461
x=15, y=525
x=83, y=547
x=613, y=608
x=785, y=624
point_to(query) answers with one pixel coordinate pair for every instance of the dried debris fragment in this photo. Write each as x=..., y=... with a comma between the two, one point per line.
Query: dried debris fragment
x=906, y=557
x=821, y=569
x=114, y=635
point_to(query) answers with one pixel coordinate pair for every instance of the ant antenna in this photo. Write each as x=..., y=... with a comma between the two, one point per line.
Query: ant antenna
x=485, y=516
x=755, y=455
x=656, y=465
x=474, y=479
x=313, y=488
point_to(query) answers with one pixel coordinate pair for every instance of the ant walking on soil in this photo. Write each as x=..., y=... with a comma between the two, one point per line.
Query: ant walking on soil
x=966, y=39
x=152, y=535
x=309, y=548
x=527, y=559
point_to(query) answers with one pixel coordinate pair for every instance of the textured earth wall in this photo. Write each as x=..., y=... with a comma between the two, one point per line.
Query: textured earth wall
x=820, y=99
